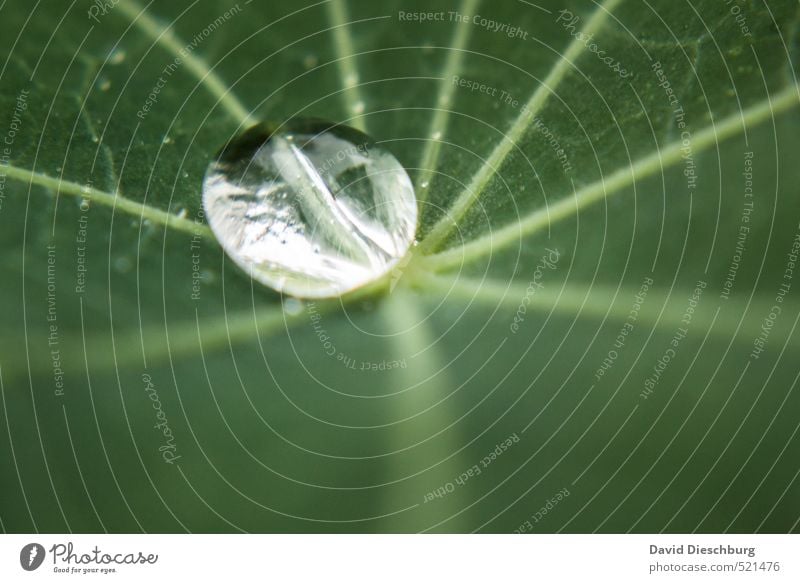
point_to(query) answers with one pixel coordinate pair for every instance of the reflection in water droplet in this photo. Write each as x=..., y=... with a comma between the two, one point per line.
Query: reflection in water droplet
x=310, y=208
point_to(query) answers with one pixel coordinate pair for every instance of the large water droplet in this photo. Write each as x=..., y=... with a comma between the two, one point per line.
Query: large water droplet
x=310, y=208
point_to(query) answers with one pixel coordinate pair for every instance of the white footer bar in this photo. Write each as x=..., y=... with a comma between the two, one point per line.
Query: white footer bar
x=400, y=558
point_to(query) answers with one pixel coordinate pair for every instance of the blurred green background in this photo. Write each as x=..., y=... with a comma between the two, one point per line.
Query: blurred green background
x=111, y=310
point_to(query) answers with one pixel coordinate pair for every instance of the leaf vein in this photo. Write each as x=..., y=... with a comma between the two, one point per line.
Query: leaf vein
x=618, y=180
x=440, y=118
x=165, y=36
x=527, y=114
x=104, y=198
x=343, y=45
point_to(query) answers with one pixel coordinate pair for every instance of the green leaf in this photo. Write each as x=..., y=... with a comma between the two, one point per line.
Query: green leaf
x=599, y=318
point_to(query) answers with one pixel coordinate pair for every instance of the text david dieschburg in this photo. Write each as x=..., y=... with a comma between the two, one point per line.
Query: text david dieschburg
x=691, y=549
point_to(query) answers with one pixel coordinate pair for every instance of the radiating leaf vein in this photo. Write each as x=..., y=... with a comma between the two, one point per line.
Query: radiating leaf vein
x=527, y=114
x=662, y=158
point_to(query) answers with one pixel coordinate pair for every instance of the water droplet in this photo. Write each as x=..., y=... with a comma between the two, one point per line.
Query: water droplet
x=123, y=264
x=292, y=307
x=437, y=135
x=358, y=108
x=310, y=61
x=182, y=213
x=147, y=229
x=167, y=140
x=425, y=184
x=104, y=85
x=344, y=206
x=117, y=57
x=207, y=276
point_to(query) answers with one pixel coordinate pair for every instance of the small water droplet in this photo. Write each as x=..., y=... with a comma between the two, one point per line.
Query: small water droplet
x=147, y=229
x=167, y=140
x=310, y=61
x=182, y=213
x=425, y=184
x=313, y=216
x=437, y=135
x=104, y=85
x=358, y=108
x=292, y=306
x=207, y=276
x=117, y=57
x=123, y=264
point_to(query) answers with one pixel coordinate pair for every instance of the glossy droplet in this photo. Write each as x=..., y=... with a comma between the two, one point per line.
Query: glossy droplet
x=310, y=208
x=117, y=57
x=292, y=307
